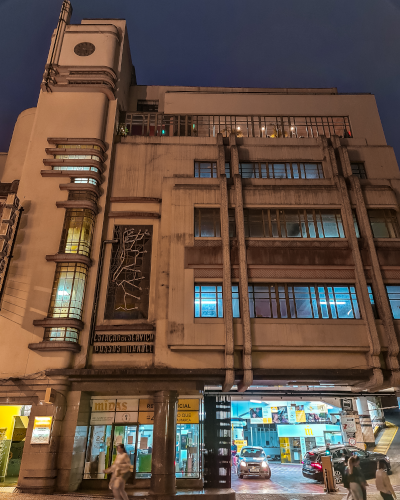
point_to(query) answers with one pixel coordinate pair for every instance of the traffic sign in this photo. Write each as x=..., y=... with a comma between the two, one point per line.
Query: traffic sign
x=352, y=441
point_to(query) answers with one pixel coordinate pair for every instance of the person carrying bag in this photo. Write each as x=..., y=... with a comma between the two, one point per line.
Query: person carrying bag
x=121, y=470
x=383, y=484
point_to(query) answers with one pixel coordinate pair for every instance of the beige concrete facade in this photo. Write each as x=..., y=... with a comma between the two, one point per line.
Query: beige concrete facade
x=148, y=179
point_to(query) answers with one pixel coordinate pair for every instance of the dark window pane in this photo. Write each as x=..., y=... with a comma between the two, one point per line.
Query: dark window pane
x=255, y=223
x=205, y=169
x=207, y=222
x=358, y=169
x=293, y=229
x=274, y=223
x=232, y=223
x=372, y=300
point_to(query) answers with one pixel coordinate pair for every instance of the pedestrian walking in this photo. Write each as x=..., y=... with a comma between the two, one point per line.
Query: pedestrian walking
x=120, y=470
x=383, y=484
x=346, y=482
x=356, y=480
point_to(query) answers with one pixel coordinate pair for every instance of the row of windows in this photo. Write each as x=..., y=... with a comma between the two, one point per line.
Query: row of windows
x=290, y=301
x=78, y=146
x=73, y=168
x=272, y=170
x=292, y=223
x=77, y=157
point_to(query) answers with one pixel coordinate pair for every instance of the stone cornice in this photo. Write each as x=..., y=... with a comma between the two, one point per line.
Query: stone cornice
x=77, y=140
x=69, y=257
x=59, y=322
x=90, y=205
x=54, y=345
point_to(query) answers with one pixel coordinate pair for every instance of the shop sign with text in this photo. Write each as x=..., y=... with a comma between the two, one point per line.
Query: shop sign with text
x=41, y=430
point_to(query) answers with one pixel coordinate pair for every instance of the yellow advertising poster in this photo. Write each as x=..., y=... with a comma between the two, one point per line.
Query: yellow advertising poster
x=240, y=443
x=41, y=430
x=146, y=417
x=187, y=417
x=188, y=405
x=300, y=416
x=146, y=405
x=19, y=434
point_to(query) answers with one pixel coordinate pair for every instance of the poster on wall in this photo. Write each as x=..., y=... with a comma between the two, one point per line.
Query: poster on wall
x=41, y=430
x=256, y=416
x=267, y=415
x=292, y=414
x=280, y=415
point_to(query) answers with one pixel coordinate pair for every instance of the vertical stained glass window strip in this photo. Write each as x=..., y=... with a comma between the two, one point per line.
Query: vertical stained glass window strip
x=77, y=232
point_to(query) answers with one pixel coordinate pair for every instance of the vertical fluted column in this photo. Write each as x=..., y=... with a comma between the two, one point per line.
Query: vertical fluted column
x=164, y=443
x=243, y=278
x=377, y=280
x=226, y=263
x=376, y=380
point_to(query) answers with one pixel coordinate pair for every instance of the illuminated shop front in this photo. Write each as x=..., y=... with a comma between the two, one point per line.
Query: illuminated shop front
x=13, y=426
x=284, y=429
x=129, y=421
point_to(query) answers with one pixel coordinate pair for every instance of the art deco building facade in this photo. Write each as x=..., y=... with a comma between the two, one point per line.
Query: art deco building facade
x=162, y=247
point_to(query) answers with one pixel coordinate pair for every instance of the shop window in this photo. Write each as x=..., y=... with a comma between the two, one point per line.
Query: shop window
x=384, y=223
x=77, y=157
x=77, y=232
x=187, y=451
x=72, y=168
x=303, y=301
x=393, y=292
x=284, y=170
x=129, y=275
x=144, y=451
x=205, y=169
x=68, y=291
x=358, y=169
x=97, y=452
x=207, y=223
x=293, y=223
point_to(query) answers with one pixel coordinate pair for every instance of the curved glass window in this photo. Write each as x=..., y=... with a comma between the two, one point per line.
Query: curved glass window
x=64, y=333
x=68, y=291
x=77, y=232
x=78, y=146
x=77, y=157
x=70, y=167
x=85, y=180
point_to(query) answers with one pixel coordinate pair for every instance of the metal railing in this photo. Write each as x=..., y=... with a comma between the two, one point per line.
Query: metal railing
x=158, y=124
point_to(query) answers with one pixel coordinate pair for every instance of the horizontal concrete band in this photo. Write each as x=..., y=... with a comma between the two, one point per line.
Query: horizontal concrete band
x=69, y=257
x=77, y=140
x=55, y=345
x=128, y=327
x=135, y=215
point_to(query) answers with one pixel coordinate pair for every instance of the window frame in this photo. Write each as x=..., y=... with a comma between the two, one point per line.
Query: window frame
x=216, y=222
x=213, y=166
x=290, y=300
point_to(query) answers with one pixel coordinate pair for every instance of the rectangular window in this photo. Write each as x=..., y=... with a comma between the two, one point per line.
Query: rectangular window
x=293, y=223
x=208, y=301
x=358, y=169
x=278, y=170
x=372, y=300
x=303, y=301
x=129, y=276
x=393, y=292
x=205, y=169
x=207, y=223
x=68, y=291
x=147, y=106
x=77, y=232
x=235, y=301
x=384, y=223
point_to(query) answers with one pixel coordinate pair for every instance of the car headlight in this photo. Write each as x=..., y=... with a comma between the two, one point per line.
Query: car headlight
x=243, y=463
x=264, y=464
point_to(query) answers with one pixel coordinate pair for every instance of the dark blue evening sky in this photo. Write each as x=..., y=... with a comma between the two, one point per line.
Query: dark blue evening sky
x=353, y=45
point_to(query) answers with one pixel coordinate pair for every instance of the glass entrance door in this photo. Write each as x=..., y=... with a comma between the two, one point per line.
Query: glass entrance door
x=126, y=435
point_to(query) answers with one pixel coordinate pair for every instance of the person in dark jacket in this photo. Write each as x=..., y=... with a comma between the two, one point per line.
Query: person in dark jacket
x=356, y=480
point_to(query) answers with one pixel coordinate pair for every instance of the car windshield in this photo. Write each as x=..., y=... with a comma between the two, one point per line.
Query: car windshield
x=252, y=452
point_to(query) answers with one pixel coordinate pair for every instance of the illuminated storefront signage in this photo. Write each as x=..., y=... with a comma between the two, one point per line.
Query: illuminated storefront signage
x=126, y=410
x=312, y=430
x=41, y=430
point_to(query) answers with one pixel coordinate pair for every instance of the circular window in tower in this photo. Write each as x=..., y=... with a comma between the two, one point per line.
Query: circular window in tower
x=84, y=49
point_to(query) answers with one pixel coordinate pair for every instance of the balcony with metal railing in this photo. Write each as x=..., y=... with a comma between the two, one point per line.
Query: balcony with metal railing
x=163, y=125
